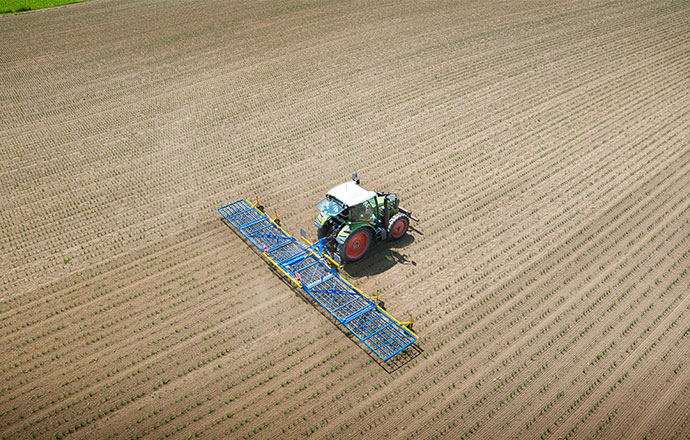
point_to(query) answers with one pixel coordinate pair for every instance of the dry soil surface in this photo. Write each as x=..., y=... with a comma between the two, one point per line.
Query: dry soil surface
x=545, y=147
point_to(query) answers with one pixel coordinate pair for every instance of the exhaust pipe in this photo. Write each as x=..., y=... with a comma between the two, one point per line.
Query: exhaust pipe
x=386, y=212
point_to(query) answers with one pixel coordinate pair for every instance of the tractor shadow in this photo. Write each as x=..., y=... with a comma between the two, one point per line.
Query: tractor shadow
x=390, y=366
x=382, y=256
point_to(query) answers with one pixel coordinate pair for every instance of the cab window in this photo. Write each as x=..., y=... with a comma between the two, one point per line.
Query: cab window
x=364, y=212
x=330, y=207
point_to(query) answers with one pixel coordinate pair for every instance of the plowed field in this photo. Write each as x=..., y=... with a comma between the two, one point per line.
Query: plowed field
x=544, y=145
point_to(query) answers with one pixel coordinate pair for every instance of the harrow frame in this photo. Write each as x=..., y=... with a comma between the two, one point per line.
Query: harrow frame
x=306, y=266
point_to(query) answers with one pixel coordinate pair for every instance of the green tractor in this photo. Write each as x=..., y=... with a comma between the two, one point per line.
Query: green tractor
x=352, y=218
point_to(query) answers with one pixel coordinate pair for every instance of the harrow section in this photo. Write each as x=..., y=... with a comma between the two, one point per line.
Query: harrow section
x=307, y=268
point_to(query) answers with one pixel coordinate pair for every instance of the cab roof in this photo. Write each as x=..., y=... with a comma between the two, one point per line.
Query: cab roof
x=351, y=194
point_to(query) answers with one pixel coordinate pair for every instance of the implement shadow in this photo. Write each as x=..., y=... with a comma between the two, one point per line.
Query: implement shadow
x=390, y=366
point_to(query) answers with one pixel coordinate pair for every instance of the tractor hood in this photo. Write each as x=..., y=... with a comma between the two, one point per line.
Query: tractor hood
x=351, y=194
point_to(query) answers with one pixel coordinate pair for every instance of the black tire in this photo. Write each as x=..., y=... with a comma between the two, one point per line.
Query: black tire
x=356, y=245
x=397, y=226
x=324, y=230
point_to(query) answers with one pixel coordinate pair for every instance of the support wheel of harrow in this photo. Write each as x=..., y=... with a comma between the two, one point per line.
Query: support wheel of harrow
x=356, y=245
x=397, y=226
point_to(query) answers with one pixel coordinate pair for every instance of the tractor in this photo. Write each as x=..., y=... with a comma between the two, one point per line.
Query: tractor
x=351, y=218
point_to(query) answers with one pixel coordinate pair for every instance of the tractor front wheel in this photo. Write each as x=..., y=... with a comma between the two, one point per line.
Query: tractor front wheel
x=324, y=231
x=356, y=245
x=398, y=226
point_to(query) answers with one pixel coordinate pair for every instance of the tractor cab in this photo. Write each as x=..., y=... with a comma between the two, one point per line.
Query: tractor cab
x=351, y=218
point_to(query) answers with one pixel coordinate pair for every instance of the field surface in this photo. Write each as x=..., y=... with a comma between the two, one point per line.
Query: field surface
x=544, y=145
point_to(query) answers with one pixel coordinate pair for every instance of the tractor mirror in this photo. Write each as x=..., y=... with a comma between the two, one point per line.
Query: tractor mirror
x=355, y=178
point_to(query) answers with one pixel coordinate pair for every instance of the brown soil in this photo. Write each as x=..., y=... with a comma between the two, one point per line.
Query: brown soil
x=544, y=147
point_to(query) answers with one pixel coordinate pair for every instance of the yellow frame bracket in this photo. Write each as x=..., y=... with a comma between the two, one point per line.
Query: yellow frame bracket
x=406, y=323
x=338, y=266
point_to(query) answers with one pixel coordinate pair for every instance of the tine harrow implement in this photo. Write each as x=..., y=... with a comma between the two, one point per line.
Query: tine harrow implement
x=306, y=266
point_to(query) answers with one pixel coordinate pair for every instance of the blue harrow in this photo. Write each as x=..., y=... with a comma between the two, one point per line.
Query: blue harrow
x=306, y=266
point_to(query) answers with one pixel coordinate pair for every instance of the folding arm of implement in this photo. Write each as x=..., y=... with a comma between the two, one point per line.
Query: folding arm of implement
x=307, y=268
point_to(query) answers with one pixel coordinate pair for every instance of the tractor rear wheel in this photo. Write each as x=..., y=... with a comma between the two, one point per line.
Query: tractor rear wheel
x=356, y=245
x=397, y=226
